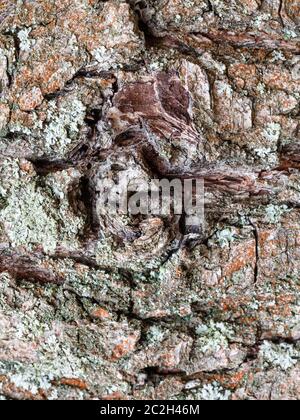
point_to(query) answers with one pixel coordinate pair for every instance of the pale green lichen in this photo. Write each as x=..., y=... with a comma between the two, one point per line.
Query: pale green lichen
x=30, y=216
x=55, y=357
x=20, y=128
x=26, y=219
x=122, y=388
x=273, y=213
x=225, y=237
x=261, y=88
x=3, y=65
x=263, y=152
x=69, y=223
x=47, y=199
x=220, y=7
x=17, y=127
x=289, y=34
x=268, y=155
x=24, y=212
x=213, y=337
x=53, y=364
x=211, y=392
x=155, y=334
x=260, y=21
x=26, y=44
x=277, y=56
x=272, y=132
x=224, y=88
x=107, y=58
x=63, y=125
x=30, y=380
x=9, y=175
x=284, y=356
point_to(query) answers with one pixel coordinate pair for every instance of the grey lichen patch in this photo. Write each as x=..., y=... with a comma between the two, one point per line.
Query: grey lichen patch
x=26, y=219
x=30, y=216
x=63, y=124
x=225, y=237
x=214, y=337
x=161, y=292
x=70, y=224
x=43, y=346
x=43, y=353
x=210, y=392
x=3, y=68
x=25, y=43
x=56, y=360
x=283, y=356
x=156, y=334
x=24, y=214
x=273, y=213
x=95, y=287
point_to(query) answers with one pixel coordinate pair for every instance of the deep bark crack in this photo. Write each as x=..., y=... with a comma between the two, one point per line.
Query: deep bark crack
x=257, y=252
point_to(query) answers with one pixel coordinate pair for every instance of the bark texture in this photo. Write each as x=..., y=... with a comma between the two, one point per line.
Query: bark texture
x=100, y=307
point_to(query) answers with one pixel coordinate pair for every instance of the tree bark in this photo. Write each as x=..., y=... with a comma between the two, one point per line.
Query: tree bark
x=97, y=305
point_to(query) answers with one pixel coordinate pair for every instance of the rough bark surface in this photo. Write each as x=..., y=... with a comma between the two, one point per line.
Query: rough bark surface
x=101, y=307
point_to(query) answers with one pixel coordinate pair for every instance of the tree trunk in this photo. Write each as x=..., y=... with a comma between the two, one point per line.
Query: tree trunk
x=99, y=303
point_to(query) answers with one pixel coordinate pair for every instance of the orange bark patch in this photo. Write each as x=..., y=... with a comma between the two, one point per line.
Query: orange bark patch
x=26, y=166
x=31, y=99
x=231, y=382
x=241, y=256
x=100, y=313
x=123, y=348
x=74, y=383
x=244, y=75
